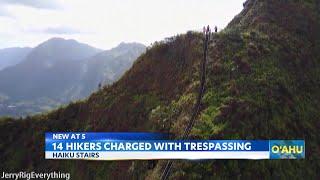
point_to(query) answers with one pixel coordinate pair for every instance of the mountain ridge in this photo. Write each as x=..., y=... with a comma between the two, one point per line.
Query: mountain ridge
x=262, y=83
x=12, y=56
x=48, y=74
x=55, y=49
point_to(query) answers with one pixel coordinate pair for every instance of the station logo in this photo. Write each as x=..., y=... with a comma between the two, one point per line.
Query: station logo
x=286, y=149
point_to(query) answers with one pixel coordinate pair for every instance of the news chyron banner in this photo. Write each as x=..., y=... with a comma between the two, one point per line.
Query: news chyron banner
x=149, y=146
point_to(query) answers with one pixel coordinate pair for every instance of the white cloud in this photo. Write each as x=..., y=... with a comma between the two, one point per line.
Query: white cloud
x=4, y=12
x=112, y=21
x=57, y=30
x=40, y=4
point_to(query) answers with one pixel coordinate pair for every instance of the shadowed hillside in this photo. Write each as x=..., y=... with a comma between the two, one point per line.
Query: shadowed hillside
x=263, y=82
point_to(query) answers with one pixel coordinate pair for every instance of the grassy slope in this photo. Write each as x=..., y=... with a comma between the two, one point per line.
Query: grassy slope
x=263, y=83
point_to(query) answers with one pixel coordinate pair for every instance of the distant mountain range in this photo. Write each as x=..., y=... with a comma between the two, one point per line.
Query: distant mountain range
x=58, y=71
x=12, y=56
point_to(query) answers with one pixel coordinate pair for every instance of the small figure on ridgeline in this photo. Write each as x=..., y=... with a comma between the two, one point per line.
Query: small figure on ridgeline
x=99, y=85
x=215, y=29
x=208, y=32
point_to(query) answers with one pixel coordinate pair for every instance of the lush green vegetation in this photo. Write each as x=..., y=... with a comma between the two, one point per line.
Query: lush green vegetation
x=262, y=83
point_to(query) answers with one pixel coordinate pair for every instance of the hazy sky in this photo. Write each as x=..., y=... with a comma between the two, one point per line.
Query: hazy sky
x=106, y=23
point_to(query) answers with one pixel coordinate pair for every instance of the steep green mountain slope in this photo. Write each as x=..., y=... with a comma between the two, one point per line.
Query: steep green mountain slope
x=263, y=82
